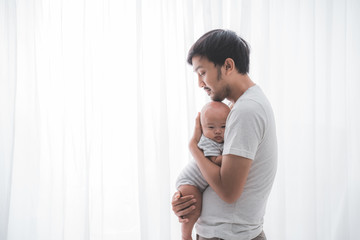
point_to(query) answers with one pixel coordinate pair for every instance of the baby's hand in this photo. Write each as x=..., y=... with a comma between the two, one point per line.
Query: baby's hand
x=218, y=160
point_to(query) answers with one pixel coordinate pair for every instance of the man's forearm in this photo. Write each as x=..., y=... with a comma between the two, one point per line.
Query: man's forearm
x=227, y=181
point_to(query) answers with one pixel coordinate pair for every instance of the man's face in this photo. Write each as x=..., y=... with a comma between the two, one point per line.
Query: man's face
x=209, y=78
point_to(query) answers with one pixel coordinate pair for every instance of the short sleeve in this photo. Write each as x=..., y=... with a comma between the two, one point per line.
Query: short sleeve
x=244, y=129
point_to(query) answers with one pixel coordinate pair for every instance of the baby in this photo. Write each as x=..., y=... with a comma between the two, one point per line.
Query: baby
x=213, y=120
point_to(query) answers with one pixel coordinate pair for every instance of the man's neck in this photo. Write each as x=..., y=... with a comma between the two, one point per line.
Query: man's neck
x=238, y=86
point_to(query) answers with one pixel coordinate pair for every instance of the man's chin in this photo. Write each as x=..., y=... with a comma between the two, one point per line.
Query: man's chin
x=216, y=99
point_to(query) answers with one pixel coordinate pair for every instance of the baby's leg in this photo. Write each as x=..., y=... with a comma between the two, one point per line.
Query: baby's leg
x=186, y=228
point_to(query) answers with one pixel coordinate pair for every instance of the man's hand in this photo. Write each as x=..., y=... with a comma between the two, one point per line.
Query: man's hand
x=182, y=206
x=218, y=160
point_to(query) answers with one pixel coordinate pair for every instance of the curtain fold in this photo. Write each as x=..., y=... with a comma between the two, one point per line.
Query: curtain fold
x=97, y=105
x=7, y=105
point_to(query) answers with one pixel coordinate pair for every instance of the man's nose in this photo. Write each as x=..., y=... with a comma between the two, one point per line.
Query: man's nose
x=201, y=82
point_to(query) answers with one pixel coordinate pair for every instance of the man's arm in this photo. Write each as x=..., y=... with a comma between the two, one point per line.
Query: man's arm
x=228, y=181
x=216, y=159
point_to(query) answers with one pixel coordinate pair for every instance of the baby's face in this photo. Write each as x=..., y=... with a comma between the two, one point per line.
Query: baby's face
x=213, y=125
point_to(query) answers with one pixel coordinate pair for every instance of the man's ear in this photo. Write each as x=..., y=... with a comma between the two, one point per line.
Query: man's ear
x=229, y=65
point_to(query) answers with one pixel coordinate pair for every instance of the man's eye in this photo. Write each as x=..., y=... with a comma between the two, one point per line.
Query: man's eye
x=202, y=74
x=222, y=126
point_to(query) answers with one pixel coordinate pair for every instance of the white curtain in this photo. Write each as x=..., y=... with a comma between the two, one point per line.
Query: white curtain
x=97, y=105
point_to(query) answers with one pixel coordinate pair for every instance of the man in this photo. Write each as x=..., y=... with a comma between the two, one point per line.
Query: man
x=233, y=206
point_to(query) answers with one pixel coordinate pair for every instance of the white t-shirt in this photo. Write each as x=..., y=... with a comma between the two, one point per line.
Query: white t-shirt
x=250, y=132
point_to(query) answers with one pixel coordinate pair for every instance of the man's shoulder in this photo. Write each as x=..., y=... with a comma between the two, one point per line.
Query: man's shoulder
x=247, y=108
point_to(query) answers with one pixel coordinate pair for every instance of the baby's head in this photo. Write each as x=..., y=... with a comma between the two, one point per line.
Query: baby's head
x=213, y=120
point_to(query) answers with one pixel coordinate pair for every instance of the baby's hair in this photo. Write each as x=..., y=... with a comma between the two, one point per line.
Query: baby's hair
x=214, y=105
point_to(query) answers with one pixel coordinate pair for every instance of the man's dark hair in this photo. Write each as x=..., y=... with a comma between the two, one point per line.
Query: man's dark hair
x=218, y=45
